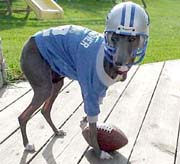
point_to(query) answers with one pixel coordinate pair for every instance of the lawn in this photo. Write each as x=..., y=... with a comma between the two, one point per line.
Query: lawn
x=164, y=31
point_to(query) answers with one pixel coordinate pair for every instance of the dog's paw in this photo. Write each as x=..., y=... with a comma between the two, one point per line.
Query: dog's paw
x=60, y=133
x=30, y=148
x=104, y=155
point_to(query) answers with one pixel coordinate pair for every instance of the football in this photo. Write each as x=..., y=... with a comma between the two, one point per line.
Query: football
x=109, y=137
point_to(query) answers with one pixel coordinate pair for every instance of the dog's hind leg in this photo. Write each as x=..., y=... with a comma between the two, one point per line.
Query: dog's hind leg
x=58, y=82
x=40, y=95
x=38, y=74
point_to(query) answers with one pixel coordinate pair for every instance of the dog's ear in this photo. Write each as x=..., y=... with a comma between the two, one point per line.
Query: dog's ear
x=108, y=38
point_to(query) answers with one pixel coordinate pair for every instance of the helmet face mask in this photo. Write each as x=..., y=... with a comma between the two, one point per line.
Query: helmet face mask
x=131, y=21
x=122, y=49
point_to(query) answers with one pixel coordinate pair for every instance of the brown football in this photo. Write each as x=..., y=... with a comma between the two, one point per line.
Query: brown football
x=110, y=137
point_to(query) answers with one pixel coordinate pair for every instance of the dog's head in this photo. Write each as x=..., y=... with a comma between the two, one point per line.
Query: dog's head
x=123, y=49
x=126, y=35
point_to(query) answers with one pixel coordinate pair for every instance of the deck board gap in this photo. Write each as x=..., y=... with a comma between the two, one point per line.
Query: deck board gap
x=9, y=135
x=178, y=139
x=83, y=154
x=47, y=141
x=149, y=104
x=120, y=95
x=116, y=102
x=36, y=112
x=18, y=98
x=15, y=100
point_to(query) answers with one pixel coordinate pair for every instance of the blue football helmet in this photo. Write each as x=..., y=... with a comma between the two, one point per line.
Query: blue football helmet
x=129, y=19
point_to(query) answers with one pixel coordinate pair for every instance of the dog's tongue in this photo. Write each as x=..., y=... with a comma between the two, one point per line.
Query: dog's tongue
x=123, y=70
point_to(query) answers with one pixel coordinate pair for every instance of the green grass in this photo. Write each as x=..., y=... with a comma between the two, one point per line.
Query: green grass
x=164, y=31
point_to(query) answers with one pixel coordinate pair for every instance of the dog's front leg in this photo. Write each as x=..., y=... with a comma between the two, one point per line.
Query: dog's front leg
x=93, y=140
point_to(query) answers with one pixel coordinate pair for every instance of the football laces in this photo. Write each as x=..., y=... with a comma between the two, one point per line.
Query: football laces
x=105, y=127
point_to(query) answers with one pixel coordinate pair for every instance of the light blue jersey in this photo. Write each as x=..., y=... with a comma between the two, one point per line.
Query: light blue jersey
x=72, y=51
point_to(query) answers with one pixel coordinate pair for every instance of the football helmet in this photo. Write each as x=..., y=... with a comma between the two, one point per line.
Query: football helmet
x=129, y=19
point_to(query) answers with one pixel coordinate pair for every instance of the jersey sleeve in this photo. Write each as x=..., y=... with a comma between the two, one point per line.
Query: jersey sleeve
x=91, y=102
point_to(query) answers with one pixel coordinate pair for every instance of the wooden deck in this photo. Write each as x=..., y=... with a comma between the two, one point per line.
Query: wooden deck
x=146, y=107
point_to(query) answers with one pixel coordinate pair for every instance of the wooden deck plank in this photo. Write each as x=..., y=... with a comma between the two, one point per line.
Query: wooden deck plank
x=177, y=160
x=11, y=93
x=125, y=105
x=38, y=130
x=73, y=144
x=8, y=117
x=129, y=112
x=56, y=146
x=157, y=141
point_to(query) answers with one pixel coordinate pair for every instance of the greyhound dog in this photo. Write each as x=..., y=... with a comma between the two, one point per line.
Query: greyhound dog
x=96, y=61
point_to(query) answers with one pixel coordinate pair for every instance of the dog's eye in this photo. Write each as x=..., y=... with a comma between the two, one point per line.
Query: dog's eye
x=114, y=39
x=131, y=38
